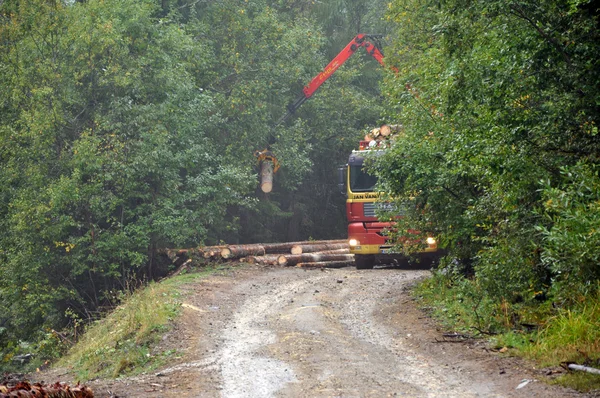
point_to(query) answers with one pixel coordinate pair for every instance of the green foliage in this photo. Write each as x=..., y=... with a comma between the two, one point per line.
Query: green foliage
x=109, y=153
x=542, y=333
x=507, y=271
x=130, y=126
x=460, y=305
x=571, y=335
x=495, y=97
x=572, y=239
x=567, y=336
x=499, y=103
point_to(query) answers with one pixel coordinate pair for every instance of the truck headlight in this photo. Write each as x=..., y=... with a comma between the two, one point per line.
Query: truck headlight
x=353, y=242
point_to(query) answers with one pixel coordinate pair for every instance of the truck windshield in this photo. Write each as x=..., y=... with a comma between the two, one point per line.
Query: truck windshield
x=360, y=180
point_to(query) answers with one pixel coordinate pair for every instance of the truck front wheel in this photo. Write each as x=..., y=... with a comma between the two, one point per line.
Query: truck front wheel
x=364, y=261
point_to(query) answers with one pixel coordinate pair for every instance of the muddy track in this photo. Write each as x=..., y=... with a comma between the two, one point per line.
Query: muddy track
x=288, y=332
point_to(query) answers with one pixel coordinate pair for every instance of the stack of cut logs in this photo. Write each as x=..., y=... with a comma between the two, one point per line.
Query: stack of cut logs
x=321, y=253
x=24, y=389
x=380, y=134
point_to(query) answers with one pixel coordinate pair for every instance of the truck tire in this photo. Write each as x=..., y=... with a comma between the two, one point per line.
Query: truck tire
x=364, y=261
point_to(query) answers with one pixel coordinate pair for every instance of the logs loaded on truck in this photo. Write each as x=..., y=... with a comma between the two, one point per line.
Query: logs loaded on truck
x=367, y=235
x=320, y=253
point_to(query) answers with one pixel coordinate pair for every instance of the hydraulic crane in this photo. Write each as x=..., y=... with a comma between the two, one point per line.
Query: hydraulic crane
x=269, y=163
x=371, y=45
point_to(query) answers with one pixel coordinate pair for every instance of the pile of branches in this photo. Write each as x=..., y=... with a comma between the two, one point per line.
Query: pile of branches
x=315, y=254
x=24, y=389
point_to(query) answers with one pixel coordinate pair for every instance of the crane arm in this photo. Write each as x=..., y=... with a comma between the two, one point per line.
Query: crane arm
x=361, y=40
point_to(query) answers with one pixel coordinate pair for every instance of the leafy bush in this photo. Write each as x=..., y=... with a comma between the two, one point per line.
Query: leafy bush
x=510, y=270
x=571, y=242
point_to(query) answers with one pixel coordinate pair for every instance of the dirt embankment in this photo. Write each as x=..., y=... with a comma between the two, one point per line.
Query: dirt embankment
x=288, y=332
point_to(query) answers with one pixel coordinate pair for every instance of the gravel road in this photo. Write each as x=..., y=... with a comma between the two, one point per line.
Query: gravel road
x=289, y=332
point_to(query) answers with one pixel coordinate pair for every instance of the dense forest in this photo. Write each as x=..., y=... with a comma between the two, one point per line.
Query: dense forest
x=130, y=126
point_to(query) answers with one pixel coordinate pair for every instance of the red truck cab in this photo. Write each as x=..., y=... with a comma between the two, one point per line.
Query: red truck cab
x=366, y=234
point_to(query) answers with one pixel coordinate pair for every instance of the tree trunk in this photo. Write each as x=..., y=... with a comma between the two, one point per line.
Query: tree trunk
x=334, y=251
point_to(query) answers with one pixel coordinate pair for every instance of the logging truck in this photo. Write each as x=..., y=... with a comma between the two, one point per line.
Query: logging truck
x=366, y=234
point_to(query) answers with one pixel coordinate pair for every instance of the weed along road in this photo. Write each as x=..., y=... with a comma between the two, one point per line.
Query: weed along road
x=290, y=332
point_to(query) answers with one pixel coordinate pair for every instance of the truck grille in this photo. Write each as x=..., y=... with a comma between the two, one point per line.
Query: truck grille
x=369, y=209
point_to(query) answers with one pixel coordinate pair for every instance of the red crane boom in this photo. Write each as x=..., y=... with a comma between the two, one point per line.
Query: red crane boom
x=361, y=40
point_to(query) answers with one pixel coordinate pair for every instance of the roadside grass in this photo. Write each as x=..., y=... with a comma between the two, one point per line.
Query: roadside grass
x=535, y=331
x=122, y=342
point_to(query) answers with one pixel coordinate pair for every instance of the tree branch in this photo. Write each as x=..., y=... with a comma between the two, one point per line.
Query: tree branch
x=519, y=12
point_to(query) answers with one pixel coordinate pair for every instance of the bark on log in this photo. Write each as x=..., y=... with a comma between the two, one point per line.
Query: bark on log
x=582, y=368
x=293, y=259
x=183, y=267
x=211, y=251
x=179, y=256
x=268, y=259
x=272, y=248
x=335, y=251
x=266, y=176
x=326, y=264
x=318, y=247
x=236, y=251
x=25, y=389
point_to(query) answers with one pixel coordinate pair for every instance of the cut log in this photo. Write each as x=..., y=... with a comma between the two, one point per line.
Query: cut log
x=385, y=130
x=582, y=368
x=268, y=259
x=236, y=251
x=318, y=247
x=293, y=259
x=183, y=267
x=272, y=248
x=326, y=264
x=179, y=256
x=266, y=176
x=335, y=251
x=211, y=251
x=25, y=389
x=268, y=248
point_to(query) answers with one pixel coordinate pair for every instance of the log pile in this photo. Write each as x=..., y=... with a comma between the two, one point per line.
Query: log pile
x=58, y=390
x=322, y=253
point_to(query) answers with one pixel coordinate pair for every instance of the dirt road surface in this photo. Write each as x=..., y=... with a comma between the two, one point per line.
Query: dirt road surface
x=289, y=332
